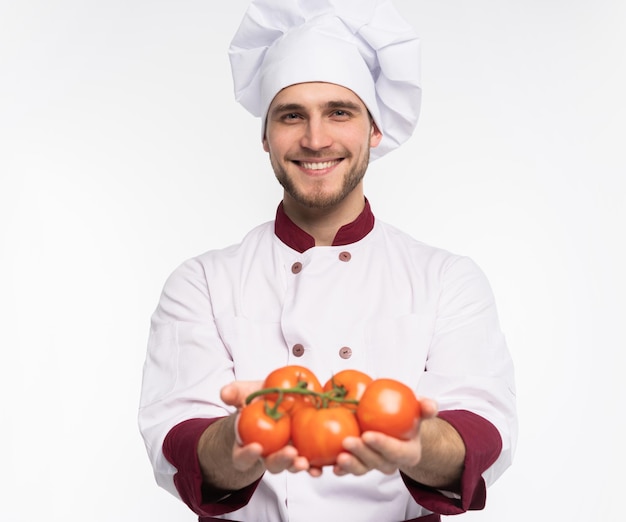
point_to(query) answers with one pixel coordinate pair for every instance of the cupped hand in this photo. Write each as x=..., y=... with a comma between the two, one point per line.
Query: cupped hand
x=375, y=450
x=246, y=457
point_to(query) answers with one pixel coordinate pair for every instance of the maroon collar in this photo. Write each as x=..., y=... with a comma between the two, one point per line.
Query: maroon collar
x=294, y=237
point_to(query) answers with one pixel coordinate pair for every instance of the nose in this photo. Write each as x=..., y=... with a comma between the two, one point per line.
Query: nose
x=316, y=135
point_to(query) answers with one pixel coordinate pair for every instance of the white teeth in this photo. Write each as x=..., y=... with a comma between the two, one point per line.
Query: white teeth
x=318, y=165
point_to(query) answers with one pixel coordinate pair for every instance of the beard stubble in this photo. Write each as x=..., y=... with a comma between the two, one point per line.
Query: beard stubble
x=319, y=198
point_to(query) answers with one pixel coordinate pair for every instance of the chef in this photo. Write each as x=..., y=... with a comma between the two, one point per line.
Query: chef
x=327, y=286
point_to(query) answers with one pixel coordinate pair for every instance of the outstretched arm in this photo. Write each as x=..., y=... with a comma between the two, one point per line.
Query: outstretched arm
x=433, y=456
x=227, y=465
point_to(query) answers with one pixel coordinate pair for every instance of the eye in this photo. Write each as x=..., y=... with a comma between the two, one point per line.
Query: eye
x=340, y=113
x=290, y=116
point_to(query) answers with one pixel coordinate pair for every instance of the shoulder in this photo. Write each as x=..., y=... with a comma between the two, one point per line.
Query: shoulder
x=398, y=240
x=437, y=262
x=220, y=259
x=256, y=237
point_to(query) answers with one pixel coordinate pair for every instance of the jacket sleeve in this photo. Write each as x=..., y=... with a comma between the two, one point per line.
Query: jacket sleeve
x=180, y=449
x=469, y=372
x=186, y=365
x=483, y=445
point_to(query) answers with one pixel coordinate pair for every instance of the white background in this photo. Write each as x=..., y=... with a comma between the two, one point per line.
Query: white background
x=122, y=153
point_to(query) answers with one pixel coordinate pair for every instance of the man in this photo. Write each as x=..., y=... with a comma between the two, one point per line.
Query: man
x=328, y=287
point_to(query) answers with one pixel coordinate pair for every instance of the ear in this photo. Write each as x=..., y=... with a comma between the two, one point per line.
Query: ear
x=266, y=146
x=375, y=135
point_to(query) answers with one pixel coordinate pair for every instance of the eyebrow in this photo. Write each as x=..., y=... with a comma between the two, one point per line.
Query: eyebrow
x=333, y=104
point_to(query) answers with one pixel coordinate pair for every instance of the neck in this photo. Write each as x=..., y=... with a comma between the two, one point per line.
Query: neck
x=323, y=223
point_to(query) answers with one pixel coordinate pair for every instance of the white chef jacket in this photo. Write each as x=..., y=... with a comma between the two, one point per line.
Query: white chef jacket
x=387, y=305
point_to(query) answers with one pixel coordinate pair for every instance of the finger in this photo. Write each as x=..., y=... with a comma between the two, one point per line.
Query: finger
x=429, y=408
x=302, y=464
x=348, y=464
x=245, y=457
x=315, y=472
x=393, y=452
x=281, y=459
x=235, y=393
x=362, y=458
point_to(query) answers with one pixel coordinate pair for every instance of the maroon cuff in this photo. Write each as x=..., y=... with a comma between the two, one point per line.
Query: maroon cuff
x=482, y=447
x=181, y=450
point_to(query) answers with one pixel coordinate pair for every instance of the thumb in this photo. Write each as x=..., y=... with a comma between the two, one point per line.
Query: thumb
x=235, y=393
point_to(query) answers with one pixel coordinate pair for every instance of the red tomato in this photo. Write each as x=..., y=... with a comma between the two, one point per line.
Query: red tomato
x=318, y=433
x=261, y=422
x=348, y=384
x=390, y=407
x=293, y=376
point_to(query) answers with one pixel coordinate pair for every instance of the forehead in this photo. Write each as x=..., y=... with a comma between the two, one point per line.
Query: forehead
x=315, y=94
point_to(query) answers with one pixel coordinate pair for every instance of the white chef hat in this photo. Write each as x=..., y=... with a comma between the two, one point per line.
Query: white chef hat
x=364, y=45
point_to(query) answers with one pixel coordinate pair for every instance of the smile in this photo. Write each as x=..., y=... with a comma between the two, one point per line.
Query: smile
x=318, y=165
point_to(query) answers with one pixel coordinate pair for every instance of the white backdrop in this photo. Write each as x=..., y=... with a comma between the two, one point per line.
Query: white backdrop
x=122, y=153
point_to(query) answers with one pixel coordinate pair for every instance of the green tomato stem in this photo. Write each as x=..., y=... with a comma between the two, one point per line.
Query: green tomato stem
x=273, y=411
x=335, y=395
